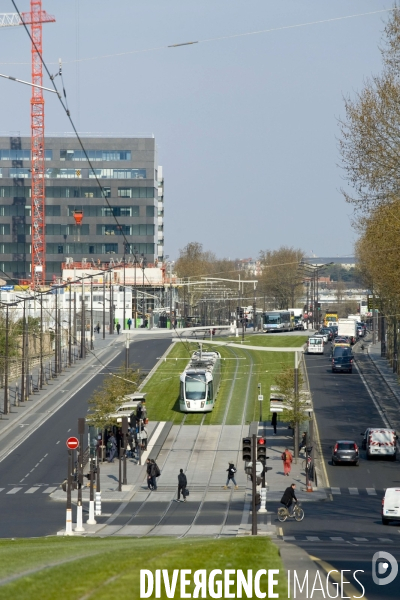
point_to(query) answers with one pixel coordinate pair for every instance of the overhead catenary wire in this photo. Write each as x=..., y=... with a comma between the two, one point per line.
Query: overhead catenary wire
x=219, y=38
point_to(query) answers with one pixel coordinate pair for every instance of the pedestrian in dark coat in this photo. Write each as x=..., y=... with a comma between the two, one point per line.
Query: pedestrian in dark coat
x=148, y=471
x=274, y=421
x=231, y=476
x=182, y=483
x=118, y=328
x=154, y=472
x=112, y=444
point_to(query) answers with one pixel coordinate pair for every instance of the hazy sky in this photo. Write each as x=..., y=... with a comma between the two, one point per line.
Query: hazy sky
x=246, y=127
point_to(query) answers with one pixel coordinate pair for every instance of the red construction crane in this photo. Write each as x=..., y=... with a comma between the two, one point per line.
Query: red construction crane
x=35, y=18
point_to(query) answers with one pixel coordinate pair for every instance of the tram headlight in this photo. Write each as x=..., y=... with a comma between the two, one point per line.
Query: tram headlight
x=188, y=404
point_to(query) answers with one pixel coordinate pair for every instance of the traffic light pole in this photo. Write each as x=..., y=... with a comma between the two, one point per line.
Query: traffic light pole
x=254, y=486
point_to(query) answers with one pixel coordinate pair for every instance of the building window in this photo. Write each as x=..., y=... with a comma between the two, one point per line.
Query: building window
x=19, y=154
x=95, y=155
x=4, y=229
x=137, y=192
x=55, y=229
x=140, y=249
x=118, y=173
x=18, y=173
x=53, y=211
x=105, y=211
x=113, y=230
x=150, y=211
x=60, y=249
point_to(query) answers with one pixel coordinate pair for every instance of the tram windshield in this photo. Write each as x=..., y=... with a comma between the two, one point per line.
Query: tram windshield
x=195, y=386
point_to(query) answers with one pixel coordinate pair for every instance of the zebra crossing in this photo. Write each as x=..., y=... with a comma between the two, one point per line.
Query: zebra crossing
x=353, y=491
x=335, y=539
x=45, y=489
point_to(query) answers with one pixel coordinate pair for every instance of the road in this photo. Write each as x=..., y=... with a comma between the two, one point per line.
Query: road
x=39, y=464
x=347, y=531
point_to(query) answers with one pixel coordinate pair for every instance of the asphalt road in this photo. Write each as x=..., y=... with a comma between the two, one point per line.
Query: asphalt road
x=343, y=410
x=40, y=462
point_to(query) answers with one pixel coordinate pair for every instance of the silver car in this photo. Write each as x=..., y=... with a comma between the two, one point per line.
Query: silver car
x=345, y=451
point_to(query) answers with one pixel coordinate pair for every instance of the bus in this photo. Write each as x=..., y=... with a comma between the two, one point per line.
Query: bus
x=277, y=320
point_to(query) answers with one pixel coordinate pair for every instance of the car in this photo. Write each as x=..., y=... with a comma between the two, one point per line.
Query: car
x=391, y=506
x=335, y=329
x=324, y=335
x=342, y=359
x=328, y=332
x=380, y=442
x=345, y=451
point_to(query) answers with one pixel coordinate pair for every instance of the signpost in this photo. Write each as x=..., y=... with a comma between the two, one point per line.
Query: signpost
x=72, y=443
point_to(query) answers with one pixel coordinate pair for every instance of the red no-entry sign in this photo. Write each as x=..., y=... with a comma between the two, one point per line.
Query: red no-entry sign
x=72, y=443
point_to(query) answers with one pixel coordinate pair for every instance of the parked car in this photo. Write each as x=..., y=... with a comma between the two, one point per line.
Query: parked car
x=342, y=359
x=345, y=451
x=379, y=442
x=391, y=506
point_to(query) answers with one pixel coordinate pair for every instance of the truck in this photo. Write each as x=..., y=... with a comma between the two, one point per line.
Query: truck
x=348, y=328
x=331, y=318
x=299, y=322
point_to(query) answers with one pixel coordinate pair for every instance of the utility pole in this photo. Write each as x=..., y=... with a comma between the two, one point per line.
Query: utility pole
x=127, y=352
x=254, y=486
x=69, y=328
x=60, y=329
x=56, y=333
x=135, y=312
x=41, y=374
x=296, y=407
x=23, y=357
x=91, y=314
x=79, y=515
x=104, y=305
x=123, y=311
x=6, y=368
x=83, y=319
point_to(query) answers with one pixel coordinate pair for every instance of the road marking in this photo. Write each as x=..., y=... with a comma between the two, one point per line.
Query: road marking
x=57, y=442
x=353, y=491
x=26, y=475
x=22, y=479
x=335, y=490
x=312, y=538
x=36, y=465
x=287, y=538
x=41, y=460
x=1, y=489
x=385, y=540
x=337, y=539
x=45, y=455
x=49, y=490
x=371, y=491
x=31, y=490
x=68, y=430
x=280, y=531
x=32, y=470
x=14, y=490
x=378, y=408
x=338, y=578
x=360, y=539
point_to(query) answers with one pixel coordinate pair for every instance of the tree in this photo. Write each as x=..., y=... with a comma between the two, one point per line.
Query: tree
x=281, y=278
x=294, y=414
x=106, y=399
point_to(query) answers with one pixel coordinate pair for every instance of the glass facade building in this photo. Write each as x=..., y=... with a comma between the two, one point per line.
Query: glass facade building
x=126, y=216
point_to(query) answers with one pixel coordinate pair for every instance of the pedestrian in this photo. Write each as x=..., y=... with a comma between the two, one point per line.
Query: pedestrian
x=231, y=476
x=303, y=441
x=98, y=328
x=118, y=328
x=287, y=461
x=182, y=483
x=129, y=323
x=154, y=472
x=143, y=437
x=148, y=471
x=112, y=447
x=274, y=421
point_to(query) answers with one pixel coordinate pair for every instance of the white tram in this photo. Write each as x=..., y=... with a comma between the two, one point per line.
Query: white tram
x=199, y=382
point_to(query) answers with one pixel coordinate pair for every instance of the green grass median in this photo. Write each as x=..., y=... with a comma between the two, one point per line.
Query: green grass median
x=261, y=367
x=101, y=568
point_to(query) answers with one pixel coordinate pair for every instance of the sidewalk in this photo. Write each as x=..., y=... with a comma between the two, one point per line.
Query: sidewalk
x=384, y=368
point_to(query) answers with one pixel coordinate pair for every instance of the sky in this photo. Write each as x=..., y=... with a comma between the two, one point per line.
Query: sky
x=246, y=127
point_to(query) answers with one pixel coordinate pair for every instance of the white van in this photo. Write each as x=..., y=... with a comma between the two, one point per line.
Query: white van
x=391, y=506
x=380, y=442
x=315, y=345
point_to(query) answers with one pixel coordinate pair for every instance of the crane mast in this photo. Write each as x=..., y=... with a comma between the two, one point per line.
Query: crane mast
x=35, y=18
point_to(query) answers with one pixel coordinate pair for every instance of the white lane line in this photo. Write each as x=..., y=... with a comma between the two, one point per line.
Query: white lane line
x=371, y=491
x=353, y=491
x=68, y=430
x=335, y=490
x=57, y=442
x=312, y=538
x=337, y=539
x=1, y=489
x=31, y=490
x=378, y=408
x=27, y=475
x=41, y=460
x=385, y=540
x=32, y=470
x=22, y=480
x=287, y=538
x=36, y=465
x=49, y=490
x=361, y=539
x=14, y=490
x=45, y=455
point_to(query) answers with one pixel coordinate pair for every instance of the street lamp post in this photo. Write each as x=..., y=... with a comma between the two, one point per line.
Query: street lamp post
x=144, y=261
x=104, y=305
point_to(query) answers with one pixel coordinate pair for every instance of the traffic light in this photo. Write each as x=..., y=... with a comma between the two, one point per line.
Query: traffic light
x=262, y=449
x=241, y=314
x=246, y=451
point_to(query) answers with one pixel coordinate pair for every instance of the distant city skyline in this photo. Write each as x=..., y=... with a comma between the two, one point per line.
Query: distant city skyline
x=246, y=126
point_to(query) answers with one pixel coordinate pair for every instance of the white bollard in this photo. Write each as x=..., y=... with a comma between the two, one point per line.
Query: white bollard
x=236, y=332
x=263, y=494
x=79, y=519
x=91, y=520
x=68, y=522
x=98, y=504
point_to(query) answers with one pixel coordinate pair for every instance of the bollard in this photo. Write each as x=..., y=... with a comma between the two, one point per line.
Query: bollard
x=263, y=495
x=98, y=504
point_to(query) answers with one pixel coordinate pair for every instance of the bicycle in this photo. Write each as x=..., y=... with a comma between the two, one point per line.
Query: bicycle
x=283, y=513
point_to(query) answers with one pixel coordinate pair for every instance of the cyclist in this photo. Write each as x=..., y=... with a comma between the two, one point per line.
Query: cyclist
x=288, y=497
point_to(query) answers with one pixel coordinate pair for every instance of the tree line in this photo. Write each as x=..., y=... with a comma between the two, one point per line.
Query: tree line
x=369, y=145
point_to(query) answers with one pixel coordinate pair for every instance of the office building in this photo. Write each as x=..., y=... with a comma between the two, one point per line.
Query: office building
x=128, y=220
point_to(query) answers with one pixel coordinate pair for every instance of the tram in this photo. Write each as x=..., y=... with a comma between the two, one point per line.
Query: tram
x=199, y=382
